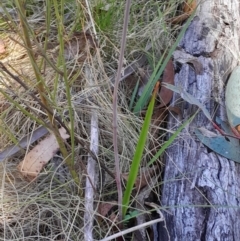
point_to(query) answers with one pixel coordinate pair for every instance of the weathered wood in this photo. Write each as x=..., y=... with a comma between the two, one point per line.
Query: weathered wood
x=201, y=190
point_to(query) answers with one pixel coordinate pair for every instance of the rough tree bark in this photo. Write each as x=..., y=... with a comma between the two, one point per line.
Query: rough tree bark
x=201, y=190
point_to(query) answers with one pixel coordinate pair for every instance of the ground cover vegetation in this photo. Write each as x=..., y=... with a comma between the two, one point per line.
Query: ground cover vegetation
x=58, y=65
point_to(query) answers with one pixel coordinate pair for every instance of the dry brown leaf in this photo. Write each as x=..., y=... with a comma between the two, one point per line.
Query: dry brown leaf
x=188, y=8
x=78, y=46
x=105, y=208
x=197, y=66
x=40, y=155
x=2, y=47
x=168, y=77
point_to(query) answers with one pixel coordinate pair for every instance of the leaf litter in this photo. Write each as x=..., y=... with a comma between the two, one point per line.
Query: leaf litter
x=40, y=155
x=2, y=47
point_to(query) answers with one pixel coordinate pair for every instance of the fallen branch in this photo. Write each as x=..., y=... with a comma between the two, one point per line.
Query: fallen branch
x=92, y=175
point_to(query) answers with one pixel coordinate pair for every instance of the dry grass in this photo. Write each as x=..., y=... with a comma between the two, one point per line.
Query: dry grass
x=48, y=208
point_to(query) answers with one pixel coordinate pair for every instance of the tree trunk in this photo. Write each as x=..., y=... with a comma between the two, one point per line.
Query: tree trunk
x=201, y=190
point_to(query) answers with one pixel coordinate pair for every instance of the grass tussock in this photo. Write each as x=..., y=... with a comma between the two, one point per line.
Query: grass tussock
x=50, y=207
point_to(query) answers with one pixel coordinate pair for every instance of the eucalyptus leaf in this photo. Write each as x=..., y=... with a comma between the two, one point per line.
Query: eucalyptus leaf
x=189, y=98
x=226, y=147
x=233, y=98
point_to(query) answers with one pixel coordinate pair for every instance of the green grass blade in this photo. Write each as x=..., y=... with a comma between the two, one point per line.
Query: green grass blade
x=141, y=103
x=133, y=96
x=138, y=154
x=170, y=140
x=149, y=87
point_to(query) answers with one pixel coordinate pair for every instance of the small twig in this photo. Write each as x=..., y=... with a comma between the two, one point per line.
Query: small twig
x=158, y=210
x=91, y=181
x=130, y=230
x=115, y=96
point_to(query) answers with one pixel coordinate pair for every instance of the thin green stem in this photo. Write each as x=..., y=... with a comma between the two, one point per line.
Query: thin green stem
x=61, y=61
